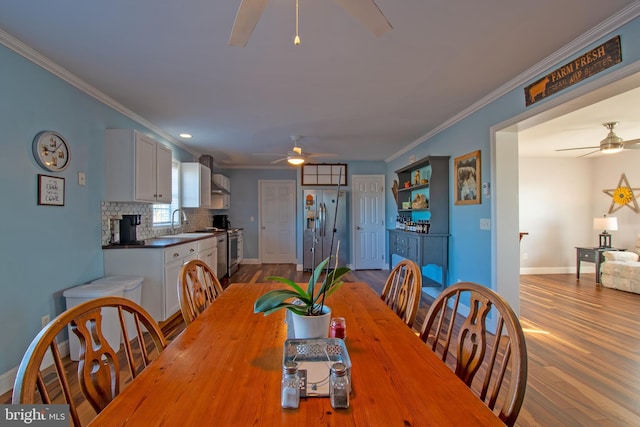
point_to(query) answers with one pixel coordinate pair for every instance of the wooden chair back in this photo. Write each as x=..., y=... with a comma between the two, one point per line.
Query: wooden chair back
x=198, y=287
x=478, y=335
x=402, y=290
x=98, y=378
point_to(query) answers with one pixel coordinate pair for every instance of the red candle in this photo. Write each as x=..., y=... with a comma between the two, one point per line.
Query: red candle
x=338, y=328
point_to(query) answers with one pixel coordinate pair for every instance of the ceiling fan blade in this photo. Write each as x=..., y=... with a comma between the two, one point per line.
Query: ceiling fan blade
x=633, y=144
x=279, y=160
x=368, y=13
x=591, y=152
x=579, y=148
x=248, y=15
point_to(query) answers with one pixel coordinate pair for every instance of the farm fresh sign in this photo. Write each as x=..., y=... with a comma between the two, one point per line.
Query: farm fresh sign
x=597, y=59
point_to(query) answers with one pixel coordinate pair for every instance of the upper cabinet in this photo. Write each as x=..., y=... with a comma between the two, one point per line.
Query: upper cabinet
x=423, y=193
x=221, y=200
x=137, y=168
x=196, y=185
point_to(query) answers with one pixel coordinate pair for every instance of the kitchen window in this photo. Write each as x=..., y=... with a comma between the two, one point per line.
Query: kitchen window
x=162, y=212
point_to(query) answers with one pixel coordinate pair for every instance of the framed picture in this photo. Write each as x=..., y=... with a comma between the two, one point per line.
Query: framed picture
x=50, y=190
x=467, y=178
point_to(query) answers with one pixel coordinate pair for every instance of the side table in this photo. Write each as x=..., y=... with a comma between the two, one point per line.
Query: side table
x=594, y=255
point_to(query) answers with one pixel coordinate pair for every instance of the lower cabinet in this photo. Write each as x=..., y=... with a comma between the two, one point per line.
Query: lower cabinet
x=160, y=269
x=208, y=253
x=240, y=246
x=429, y=251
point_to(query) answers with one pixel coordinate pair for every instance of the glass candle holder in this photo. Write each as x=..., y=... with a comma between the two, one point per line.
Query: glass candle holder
x=338, y=328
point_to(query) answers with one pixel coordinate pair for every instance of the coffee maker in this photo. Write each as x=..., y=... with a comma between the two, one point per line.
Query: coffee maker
x=128, y=227
x=221, y=221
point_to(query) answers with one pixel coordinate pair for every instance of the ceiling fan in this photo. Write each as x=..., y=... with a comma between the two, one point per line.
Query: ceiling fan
x=612, y=143
x=249, y=12
x=296, y=156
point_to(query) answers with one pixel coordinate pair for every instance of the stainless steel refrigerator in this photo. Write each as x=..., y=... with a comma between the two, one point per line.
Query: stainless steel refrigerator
x=319, y=213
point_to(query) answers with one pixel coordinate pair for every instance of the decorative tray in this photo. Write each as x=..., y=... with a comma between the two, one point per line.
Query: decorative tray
x=314, y=358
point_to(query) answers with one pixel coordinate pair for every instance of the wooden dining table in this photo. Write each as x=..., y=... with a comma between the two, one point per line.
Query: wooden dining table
x=225, y=369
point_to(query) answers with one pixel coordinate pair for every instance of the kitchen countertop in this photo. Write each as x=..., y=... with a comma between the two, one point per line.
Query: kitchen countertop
x=165, y=241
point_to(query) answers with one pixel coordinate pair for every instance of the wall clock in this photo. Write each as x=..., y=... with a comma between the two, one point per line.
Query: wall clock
x=51, y=151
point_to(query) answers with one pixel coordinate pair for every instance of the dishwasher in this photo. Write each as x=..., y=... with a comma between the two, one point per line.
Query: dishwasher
x=221, y=240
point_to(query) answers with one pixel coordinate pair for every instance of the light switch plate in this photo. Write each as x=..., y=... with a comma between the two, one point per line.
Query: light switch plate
x=485, y=224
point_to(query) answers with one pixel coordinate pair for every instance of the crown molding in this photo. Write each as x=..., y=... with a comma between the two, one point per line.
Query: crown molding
x=599, y=31
x=42, y=61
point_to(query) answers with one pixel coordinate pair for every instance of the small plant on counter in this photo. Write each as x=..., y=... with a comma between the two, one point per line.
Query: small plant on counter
x=300, y=301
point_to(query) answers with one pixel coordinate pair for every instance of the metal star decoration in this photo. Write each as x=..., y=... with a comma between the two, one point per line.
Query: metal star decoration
x=623, y=196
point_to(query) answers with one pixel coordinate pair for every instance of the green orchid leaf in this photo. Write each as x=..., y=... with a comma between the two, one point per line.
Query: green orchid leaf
x=314, y=279
x=289, y=282
x=335, y=287
x=299, y=309
x=332, y=279
x=306, y=303
x=275, y=298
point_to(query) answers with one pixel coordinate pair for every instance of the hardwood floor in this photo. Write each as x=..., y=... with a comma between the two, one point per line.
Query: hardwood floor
x=583, y=343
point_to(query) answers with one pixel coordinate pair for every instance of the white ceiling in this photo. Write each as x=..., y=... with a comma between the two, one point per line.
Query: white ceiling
x=346, y=91
x=584, y=126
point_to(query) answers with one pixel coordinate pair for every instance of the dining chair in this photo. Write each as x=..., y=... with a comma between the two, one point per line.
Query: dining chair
x=402, y=290
x=98, y=377
x=477, y=334
x=198, y=287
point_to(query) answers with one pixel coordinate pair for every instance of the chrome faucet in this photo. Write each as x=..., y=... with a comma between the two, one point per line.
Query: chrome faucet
x=183, y=219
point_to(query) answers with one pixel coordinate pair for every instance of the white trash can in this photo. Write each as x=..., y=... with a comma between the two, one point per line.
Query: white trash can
x=110, y=322
x=132, y=290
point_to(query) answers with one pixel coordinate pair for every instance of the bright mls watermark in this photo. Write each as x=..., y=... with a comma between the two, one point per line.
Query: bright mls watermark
x=34, y=415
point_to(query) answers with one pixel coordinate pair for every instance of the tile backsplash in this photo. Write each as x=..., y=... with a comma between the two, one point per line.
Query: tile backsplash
x=198, y=219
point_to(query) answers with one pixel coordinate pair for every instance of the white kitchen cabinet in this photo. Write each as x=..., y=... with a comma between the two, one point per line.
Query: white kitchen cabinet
x=137, y=168
x=196, y=185
x=159, y=267
x=208, y=253
x=221, y=201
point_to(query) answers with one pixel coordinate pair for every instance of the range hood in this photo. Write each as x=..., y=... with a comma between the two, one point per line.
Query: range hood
x=208, y=162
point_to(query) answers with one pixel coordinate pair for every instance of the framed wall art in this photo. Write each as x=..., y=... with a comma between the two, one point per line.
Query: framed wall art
x=324, y=174
x=50, y=190
x=467, y=178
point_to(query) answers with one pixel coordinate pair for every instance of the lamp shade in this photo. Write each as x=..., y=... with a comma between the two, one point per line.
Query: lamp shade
x=606, y=223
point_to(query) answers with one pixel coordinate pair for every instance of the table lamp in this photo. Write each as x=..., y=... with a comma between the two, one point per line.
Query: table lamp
x=605, y=223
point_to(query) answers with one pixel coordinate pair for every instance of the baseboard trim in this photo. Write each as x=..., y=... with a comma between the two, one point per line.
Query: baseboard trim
x=250, y=261
x=7, y=379
x=557, y=270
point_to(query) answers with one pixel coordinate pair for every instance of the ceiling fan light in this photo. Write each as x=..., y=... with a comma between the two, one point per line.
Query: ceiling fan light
x=295, y=160
x=611, y=149
x=611, y=144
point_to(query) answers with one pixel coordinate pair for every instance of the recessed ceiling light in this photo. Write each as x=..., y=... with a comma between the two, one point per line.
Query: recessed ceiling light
x=185, y=135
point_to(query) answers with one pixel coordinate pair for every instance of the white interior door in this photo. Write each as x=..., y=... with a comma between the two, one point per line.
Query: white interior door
x=368, y=222
x=277, y=222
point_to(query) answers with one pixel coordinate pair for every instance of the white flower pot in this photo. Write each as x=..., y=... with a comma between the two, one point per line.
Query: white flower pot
x=302, y=327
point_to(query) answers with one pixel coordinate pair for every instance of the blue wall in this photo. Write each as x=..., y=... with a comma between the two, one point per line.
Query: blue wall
x=245, y=201
x=47, y=249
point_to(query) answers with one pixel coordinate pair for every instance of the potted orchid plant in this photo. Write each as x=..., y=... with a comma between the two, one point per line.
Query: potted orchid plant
x=310, y=317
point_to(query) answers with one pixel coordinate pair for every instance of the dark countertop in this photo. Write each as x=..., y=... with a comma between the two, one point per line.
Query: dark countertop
x=166, y=241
